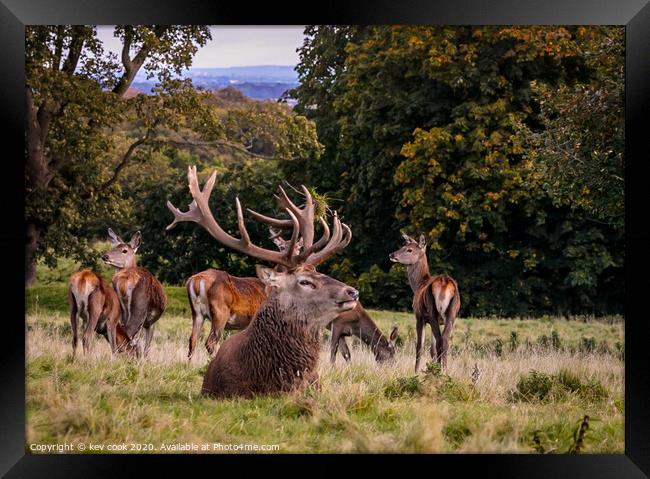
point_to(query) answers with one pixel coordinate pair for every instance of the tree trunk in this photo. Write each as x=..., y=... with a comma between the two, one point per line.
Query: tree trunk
x=33, y=234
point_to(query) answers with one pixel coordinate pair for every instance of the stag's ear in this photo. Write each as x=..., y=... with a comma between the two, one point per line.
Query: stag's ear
x=268, y=276
x=115, y=240
x=423, y=241
x=393, y=336
x=136, y=240
x=406, y=238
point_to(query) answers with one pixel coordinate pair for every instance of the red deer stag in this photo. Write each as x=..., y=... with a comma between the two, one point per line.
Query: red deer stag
x=91, y=298
x=279, y=350
x=436, y=299
x=141, y=296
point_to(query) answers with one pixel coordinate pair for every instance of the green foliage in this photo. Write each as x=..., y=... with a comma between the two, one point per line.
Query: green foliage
x=426, y=129
x=538, y=386
x=403, y=387
x=390, y=290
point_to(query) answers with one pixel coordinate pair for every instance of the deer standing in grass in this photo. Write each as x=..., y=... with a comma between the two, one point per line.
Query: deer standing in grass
x=141, y=296
x=279, y=350
x=93, y=300
x=230, y=302
x=436, y=299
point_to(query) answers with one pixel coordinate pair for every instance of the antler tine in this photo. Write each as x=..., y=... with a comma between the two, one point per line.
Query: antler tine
x=240, y=223
x=294, y=237
x=199, y=212
x=320, y=243
x=274, y=222
x=274, y=233
x=346, y=239
x=305, y=215
x=332, y=245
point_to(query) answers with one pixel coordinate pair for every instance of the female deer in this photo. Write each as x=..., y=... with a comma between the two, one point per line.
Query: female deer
x=436, y=299
x=92, y=299
x=141, y=296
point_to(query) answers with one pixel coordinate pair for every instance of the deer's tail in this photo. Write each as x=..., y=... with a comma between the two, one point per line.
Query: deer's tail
x=81, y=291
x=199, y=301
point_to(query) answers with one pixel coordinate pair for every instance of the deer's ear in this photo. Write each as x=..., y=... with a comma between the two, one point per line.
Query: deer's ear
x=136, y=240
x=115, y=240
x=423, y=241
x=393, y=336
x=267, y=275
x=406, y=238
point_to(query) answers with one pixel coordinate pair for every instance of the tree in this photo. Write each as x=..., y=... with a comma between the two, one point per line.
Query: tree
x=71, y=96
x=428, y=139
x=579, y=151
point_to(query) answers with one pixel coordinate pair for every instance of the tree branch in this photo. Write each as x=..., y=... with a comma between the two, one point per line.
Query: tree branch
x=125, y=159
x=227, y=144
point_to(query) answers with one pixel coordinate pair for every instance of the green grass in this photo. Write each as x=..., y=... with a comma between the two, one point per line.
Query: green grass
x=489, y=399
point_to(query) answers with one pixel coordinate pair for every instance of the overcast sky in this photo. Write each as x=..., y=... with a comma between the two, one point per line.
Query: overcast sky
x=236, y=45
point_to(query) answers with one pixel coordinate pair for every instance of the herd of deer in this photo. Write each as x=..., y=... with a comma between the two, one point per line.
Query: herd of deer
x=282, y=311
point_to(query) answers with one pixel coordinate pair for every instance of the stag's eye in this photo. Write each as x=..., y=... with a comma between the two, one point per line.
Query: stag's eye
x=304, y=282
x=124, y=251
x=409, y=250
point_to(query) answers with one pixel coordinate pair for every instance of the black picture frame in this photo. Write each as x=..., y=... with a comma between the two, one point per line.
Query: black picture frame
x=634, y=14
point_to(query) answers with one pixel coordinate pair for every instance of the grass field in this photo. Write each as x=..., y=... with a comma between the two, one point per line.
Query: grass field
x=512, y=386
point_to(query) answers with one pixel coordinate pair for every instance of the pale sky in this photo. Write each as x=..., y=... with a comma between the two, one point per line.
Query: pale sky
x=236, y=45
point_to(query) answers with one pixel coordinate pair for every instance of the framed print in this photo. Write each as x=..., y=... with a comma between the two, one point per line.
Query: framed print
x=393, y=235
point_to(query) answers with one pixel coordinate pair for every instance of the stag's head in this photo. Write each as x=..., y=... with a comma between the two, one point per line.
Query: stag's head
x=122, y=254
x=309, y=291
x=411, y=252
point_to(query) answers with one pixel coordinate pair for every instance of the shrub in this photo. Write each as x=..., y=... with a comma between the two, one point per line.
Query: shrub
x=537, y=386
x=403, y=387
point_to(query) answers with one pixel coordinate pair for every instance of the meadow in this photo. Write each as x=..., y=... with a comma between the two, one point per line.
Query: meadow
x=512, y=385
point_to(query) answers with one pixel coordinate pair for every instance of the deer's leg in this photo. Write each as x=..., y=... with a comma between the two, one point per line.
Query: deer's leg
x=345, y=351
x=90, y=323
x=73, y=321
x=197, y=322
x=334, y=343
x=148, y=331
x=450, y=321
x=219, y=315
x=419, y=329
x=139, y=310
x=437, y=336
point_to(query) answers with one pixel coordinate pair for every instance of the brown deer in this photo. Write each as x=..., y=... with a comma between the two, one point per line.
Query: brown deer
x=91, y=298
x=141, y=296
x=279, y=350
x=357, y=322
x=436, y=299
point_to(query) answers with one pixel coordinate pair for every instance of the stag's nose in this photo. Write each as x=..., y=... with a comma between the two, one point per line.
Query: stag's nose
x=353, y=293
x=105, y=257
x=390, y=256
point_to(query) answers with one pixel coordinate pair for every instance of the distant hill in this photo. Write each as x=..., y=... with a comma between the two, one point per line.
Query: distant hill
x=261, y=82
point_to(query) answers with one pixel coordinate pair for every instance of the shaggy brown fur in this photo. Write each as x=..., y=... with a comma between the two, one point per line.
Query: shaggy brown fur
x=357, y=322
x=277, y=353
x=91, y=298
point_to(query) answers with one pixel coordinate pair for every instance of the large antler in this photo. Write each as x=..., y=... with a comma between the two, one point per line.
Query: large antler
x=305, y=216
x=199, y=212
x=326, y=246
